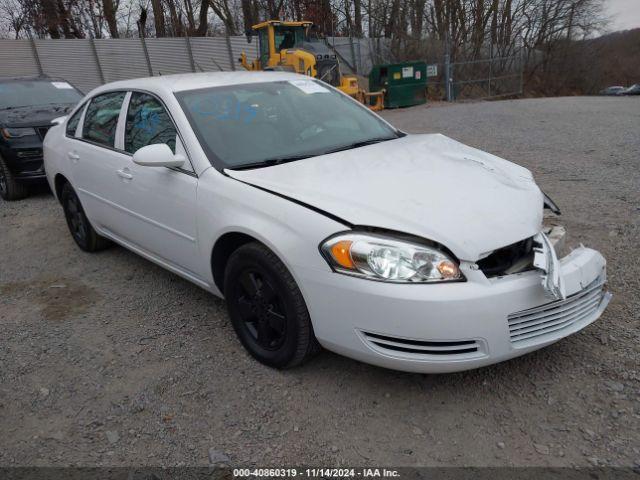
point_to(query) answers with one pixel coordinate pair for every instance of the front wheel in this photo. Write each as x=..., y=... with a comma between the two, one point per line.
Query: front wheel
x=267, y=309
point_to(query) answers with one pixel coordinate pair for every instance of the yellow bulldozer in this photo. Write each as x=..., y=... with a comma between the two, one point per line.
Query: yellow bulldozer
x=288, y=46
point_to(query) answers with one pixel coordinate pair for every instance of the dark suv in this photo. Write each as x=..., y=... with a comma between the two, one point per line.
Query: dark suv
x=27, y=106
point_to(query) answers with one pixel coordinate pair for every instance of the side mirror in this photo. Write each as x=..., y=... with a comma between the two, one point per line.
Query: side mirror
x=157, y=155
x=58, y=120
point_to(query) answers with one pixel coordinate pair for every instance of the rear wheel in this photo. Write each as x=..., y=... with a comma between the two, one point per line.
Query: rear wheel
x=267, y=309
x=79, y=226
x=10, y=188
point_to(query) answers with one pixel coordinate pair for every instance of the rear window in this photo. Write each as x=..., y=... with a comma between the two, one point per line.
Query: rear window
x=17, y=94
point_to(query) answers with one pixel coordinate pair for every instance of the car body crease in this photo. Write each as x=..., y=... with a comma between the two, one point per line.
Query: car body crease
x=293, y=200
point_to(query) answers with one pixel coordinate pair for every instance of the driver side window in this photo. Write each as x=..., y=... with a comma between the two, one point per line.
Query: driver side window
x=148, y=123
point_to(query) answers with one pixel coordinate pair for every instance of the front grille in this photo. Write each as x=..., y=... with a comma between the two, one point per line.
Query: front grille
x=29, y=153
x=328, y=71
x=42, y=131
x=421, y=347
x=556, y=315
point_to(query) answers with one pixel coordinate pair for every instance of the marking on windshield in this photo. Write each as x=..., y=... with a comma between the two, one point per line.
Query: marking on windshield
x=225, y=107
x=62, y=85
x=308, y=86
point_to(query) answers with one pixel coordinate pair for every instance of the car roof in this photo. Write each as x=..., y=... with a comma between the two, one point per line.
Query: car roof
x=194, y=81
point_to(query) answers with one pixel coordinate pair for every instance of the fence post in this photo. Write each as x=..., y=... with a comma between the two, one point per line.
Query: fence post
x=190, y=52
x=353, y=55
x=95, y=55
x=36, y=56
x=448, y=69
x=230, y=50
x=491, y=66
x=146, y=56
x=522, y=68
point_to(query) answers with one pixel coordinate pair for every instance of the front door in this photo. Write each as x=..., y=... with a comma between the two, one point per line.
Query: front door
x=160, y=201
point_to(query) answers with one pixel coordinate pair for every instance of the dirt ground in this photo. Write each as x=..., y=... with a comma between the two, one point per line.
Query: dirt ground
x=107, y=359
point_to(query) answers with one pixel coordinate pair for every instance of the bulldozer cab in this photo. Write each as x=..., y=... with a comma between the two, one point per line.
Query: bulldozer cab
x=275, y=36
x=294, y=47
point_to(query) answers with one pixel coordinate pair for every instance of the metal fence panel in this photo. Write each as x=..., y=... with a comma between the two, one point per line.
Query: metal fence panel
x=210, y=54
x=89, y=63
x=73, y=60
x=17, y=59
x=121, y=59
x=168, y=55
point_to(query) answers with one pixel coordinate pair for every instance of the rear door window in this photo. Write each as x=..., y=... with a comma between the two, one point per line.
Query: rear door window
x=101, y=118
x=72, y=123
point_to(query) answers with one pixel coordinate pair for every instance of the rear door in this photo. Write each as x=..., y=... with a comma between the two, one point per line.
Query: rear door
x=98, y=175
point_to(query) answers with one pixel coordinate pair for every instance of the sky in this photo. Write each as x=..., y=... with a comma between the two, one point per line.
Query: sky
x=624, y=14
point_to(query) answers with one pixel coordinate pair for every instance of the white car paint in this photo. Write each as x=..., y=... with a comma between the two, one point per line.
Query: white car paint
x=457, y=190
x=426, y=185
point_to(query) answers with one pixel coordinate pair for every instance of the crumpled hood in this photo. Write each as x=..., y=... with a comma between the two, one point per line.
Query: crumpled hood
x=426, y=185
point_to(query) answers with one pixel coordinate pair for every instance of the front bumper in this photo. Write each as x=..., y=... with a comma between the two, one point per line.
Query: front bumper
x=452, y=327
x=24, y=159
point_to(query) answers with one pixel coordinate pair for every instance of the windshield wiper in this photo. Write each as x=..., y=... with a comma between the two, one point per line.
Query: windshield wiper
x=271, y=161
x=362, y=143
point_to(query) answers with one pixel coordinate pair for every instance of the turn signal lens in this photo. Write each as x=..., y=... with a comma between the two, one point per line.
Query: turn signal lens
x=448, y=269
x=341, y=253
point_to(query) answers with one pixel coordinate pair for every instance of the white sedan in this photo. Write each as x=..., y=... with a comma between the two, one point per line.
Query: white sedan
x=320, y=223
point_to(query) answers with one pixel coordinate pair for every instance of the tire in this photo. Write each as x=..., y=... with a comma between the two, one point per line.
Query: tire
x=79, y=225
x=10, y=188
x=267, y=309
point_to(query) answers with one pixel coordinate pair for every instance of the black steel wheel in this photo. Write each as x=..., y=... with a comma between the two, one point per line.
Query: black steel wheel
x=267, y=309
x=79, y=225
x=260, y=308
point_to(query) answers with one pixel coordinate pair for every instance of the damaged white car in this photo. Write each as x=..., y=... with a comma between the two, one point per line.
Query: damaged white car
x=320, y=223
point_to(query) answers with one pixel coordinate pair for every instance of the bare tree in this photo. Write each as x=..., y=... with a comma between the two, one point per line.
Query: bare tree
x=158, y=17
x=109, y=10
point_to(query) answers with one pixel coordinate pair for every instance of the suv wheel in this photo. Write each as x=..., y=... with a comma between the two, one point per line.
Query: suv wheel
x=10, y=188
x=79, y=226
x=267, y=309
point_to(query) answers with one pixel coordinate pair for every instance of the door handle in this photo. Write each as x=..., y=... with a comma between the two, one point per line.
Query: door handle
x=74, y=157
x=124, y=173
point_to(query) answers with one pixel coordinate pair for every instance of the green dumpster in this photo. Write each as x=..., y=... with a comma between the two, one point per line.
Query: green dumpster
x=405, y=84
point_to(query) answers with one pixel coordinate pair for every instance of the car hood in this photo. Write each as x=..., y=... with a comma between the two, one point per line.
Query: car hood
x=33, y=116
x=431, y=186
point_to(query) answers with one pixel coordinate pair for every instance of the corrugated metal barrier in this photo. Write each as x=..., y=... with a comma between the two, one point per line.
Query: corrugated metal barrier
x=88, y=63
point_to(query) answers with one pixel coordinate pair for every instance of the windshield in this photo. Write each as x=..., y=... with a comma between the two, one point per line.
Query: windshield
x=288, y=37
x=30, y=93
x=263, y=123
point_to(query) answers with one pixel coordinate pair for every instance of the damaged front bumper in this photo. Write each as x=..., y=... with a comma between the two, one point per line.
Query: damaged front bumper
x=452, y=327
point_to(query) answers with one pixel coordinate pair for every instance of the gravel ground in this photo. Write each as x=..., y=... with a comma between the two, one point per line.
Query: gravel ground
x=107, y=359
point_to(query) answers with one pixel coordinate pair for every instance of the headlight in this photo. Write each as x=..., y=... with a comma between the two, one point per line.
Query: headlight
x=387, y=259
x=17, y=132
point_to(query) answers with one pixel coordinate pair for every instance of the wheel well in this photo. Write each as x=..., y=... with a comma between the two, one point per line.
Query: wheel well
x=59, y=182
x=222, y=250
